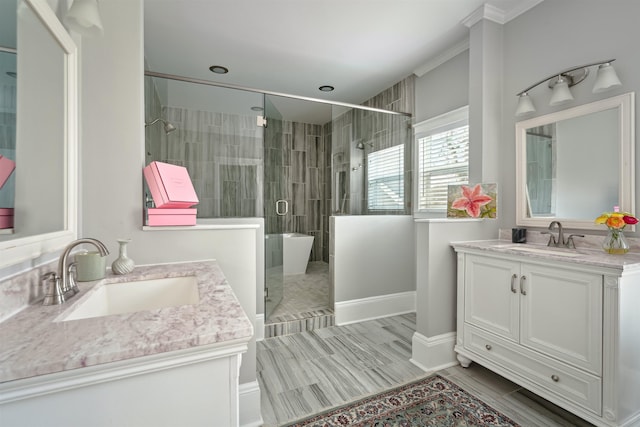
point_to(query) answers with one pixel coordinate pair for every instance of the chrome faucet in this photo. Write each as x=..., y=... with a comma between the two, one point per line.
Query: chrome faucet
x=560, y=241
x=62, y=284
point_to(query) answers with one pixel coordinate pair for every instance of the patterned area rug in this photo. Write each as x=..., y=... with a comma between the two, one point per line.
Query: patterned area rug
x=432, y=401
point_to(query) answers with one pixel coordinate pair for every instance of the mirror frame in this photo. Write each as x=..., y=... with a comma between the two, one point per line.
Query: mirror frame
x=32, y=247
x=626, y=121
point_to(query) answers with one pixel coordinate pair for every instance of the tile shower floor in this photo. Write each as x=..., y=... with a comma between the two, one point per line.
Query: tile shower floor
x=305, y=373
x=305, y=304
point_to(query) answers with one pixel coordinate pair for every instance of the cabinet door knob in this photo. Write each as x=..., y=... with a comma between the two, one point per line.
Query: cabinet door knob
x=523, y=291
x=488, y=347
x=513, y=283
x=555, y=378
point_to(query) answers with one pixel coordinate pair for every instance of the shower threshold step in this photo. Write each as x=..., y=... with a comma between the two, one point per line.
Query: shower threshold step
x=288, y=324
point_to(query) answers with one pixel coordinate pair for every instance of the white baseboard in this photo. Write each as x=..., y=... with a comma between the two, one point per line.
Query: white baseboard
x=374, y=307
x=259, y=327
x=433, y=353
x=250, y=412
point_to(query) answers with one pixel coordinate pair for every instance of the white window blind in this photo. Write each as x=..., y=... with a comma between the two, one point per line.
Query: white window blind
x=443, y=159
x=385, y=179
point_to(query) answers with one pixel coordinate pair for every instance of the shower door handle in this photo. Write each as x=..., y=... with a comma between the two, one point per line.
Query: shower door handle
x=279, y=203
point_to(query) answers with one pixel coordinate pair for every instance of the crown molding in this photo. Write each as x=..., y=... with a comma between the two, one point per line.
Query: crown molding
x=495, y=14
x=441, y=58
x=486, y=11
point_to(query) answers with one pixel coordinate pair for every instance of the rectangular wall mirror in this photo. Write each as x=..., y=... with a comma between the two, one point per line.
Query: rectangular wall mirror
x=574, y=164
x=45, y=172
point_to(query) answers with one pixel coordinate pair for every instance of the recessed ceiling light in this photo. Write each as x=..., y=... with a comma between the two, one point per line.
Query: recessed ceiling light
x=256, y=108
x=219, y=69
x=326, y=88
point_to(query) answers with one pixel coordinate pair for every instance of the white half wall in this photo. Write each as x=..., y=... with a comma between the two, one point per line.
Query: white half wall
x=436, y=273
x=436, y=281
x=372, y=256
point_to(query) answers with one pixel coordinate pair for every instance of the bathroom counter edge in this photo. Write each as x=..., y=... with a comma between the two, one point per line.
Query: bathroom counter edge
x=590, y=257
x=34, y=343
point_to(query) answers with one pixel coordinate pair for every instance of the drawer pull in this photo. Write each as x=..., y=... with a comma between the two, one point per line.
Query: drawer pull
x=522, y=289
x=488, y=347
x=513, y=283
x=555, y=378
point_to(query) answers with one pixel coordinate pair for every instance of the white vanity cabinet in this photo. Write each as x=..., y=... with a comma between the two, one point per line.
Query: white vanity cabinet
x=177, y=365
x=192, y=387
x=555, y=326
x=550, y=309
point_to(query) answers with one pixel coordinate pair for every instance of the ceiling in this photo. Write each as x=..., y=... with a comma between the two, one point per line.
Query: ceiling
x=361, y=47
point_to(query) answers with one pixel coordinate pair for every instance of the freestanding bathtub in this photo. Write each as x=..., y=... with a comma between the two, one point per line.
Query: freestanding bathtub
x=296, y=251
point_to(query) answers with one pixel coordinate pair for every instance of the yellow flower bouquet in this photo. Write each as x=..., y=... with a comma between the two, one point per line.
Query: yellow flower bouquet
x=615, y=242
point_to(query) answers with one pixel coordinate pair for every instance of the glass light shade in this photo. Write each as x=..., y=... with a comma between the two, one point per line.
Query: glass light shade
x=561, y=92
x=525, y=105
x=84, y=18
x=606, y=79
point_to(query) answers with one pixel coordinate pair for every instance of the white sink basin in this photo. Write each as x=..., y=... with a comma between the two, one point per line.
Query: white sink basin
x=544, y=251
x=129, y=297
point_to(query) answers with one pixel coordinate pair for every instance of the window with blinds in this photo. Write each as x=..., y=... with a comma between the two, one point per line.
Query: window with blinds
x=385, y=179
x=443, y=159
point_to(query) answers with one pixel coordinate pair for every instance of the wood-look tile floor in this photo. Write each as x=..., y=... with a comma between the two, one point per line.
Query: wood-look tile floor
x=306, y=373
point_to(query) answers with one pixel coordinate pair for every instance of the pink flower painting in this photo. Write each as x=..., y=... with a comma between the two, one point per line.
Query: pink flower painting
x=478, y=201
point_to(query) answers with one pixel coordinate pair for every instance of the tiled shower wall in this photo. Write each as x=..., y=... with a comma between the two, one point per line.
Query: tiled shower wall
x=294, y=165
x=226, y=161
x=345, y=165
x=223, y=154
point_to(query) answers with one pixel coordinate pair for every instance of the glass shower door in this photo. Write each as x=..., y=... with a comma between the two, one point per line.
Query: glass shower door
x=275, y=208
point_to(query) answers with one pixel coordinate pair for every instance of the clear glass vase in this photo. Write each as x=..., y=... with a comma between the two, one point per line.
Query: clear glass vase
x=615, y=243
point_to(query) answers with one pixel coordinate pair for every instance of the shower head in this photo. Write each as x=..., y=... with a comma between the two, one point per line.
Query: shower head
x=361, y=145
x=168, y=127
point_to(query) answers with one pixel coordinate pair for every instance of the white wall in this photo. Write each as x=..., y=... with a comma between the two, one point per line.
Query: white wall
x=374, y=256
x=371, y=261
x=553, y=36
x=485, y=101
x=503, y=60
x=112, y=158
x=436, y=280
x=443, y=89
x=436, y=269
x=436, y=260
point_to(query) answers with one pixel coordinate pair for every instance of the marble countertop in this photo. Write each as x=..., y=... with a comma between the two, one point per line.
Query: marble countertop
x=592, y=257
x=34, y=341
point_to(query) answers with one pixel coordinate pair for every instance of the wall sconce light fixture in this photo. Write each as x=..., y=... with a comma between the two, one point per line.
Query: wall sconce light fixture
x=83, y=17
x=562, y=81
x=168, y=127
